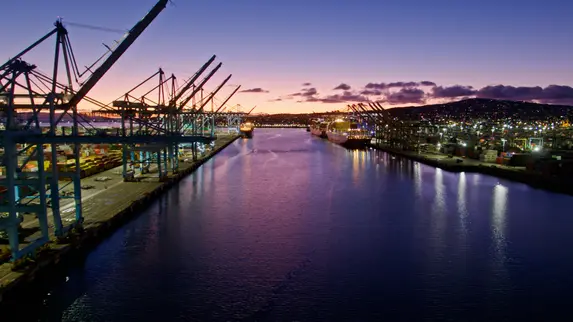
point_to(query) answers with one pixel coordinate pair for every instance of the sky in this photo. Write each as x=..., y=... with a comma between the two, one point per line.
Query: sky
x=302, y=56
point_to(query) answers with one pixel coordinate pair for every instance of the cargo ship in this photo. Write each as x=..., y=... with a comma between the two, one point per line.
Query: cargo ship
x=319, y=129
x=348, y=133
x=246, y=130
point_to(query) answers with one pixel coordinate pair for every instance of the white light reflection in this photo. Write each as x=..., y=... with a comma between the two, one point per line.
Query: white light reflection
x=438, y=215
x=462, y=208
x=499, y=279
x=440, y=197
x=499, y=209
x=418, y=180
x=355, y=167
x=437, y=259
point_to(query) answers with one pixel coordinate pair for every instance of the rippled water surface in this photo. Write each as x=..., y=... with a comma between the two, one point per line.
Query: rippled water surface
x=288, y=227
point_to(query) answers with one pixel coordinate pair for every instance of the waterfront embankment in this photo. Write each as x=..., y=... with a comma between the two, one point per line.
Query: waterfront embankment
x=457, y=164
x=105, y=207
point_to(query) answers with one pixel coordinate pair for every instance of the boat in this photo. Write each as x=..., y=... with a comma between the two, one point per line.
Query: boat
x=246, y=130
x=319, y=129
x=348, y=133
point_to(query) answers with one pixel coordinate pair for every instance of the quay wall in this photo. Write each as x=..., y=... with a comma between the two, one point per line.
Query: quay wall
x=15, y=283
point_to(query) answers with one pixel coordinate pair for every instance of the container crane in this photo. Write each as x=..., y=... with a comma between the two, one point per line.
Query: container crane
x=61, y=98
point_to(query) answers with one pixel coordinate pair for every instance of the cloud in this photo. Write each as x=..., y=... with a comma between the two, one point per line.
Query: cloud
x=427, y=83
x=254, y=90
x=452, y=91
x=406, y=96
x=306, y=84
x=510, y=92
x=346, y=97
x=555, y=94
x=305, y=92
x=552, y=94
x=276, y=100
x=381, y=86
x=374, y=92
x=343, y=87
x=401, y=93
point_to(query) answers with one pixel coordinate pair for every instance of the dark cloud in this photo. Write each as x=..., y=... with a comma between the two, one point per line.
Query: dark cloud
x=552, y=94
x=452, y=91
x=346, y=97
x=305, y=92
x=254, y=90
x=343, y=87
x=306, y=84
x=396, y=93
x=276, y=100
x=403, y=84
x=557, y=94
x=406, y=96
x=374, y=92
x=380, y=86
x=308, y=92
x=510, y=92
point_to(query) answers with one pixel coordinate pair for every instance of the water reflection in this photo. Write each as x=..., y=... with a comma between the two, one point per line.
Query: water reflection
x=462, y=208
x=418, y=179
x=499, y=209
x=440, y=193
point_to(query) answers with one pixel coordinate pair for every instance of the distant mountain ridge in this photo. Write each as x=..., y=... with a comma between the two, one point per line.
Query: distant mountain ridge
x=480, y=107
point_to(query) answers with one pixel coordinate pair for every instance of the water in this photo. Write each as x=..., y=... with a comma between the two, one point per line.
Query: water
x=286, y=227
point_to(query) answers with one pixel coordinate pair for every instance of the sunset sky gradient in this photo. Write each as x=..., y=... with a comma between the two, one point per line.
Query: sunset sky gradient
x=274, y=47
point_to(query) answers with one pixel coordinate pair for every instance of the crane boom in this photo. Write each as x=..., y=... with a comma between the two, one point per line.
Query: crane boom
x=210, y=97
x=192, y=80
x=198, y=87
x=128, y=40
x=228, y=98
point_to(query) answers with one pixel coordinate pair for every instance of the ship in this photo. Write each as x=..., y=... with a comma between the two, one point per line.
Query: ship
x=319, y=129
x=246, y=130
x=348, y=133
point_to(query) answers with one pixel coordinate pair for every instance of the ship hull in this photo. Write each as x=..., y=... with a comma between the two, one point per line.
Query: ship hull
x=318, y=132
x=353, y=143
x=248, y=134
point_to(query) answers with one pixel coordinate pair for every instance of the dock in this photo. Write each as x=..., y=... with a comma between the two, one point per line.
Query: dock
x=457, y=164
x=105, y=207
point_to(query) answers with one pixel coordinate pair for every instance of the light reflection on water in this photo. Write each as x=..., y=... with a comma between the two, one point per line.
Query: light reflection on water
x=283, y=227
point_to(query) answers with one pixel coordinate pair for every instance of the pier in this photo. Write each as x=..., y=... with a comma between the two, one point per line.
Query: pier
x=105, y=207
x=61, y=174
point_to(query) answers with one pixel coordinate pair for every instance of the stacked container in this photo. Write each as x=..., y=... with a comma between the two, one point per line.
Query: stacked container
x=488, y=156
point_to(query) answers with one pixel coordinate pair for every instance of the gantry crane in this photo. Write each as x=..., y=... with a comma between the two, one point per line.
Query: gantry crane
x=25, y=94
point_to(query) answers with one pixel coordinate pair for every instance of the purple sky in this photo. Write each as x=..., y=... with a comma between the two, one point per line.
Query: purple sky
x=383, y=50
